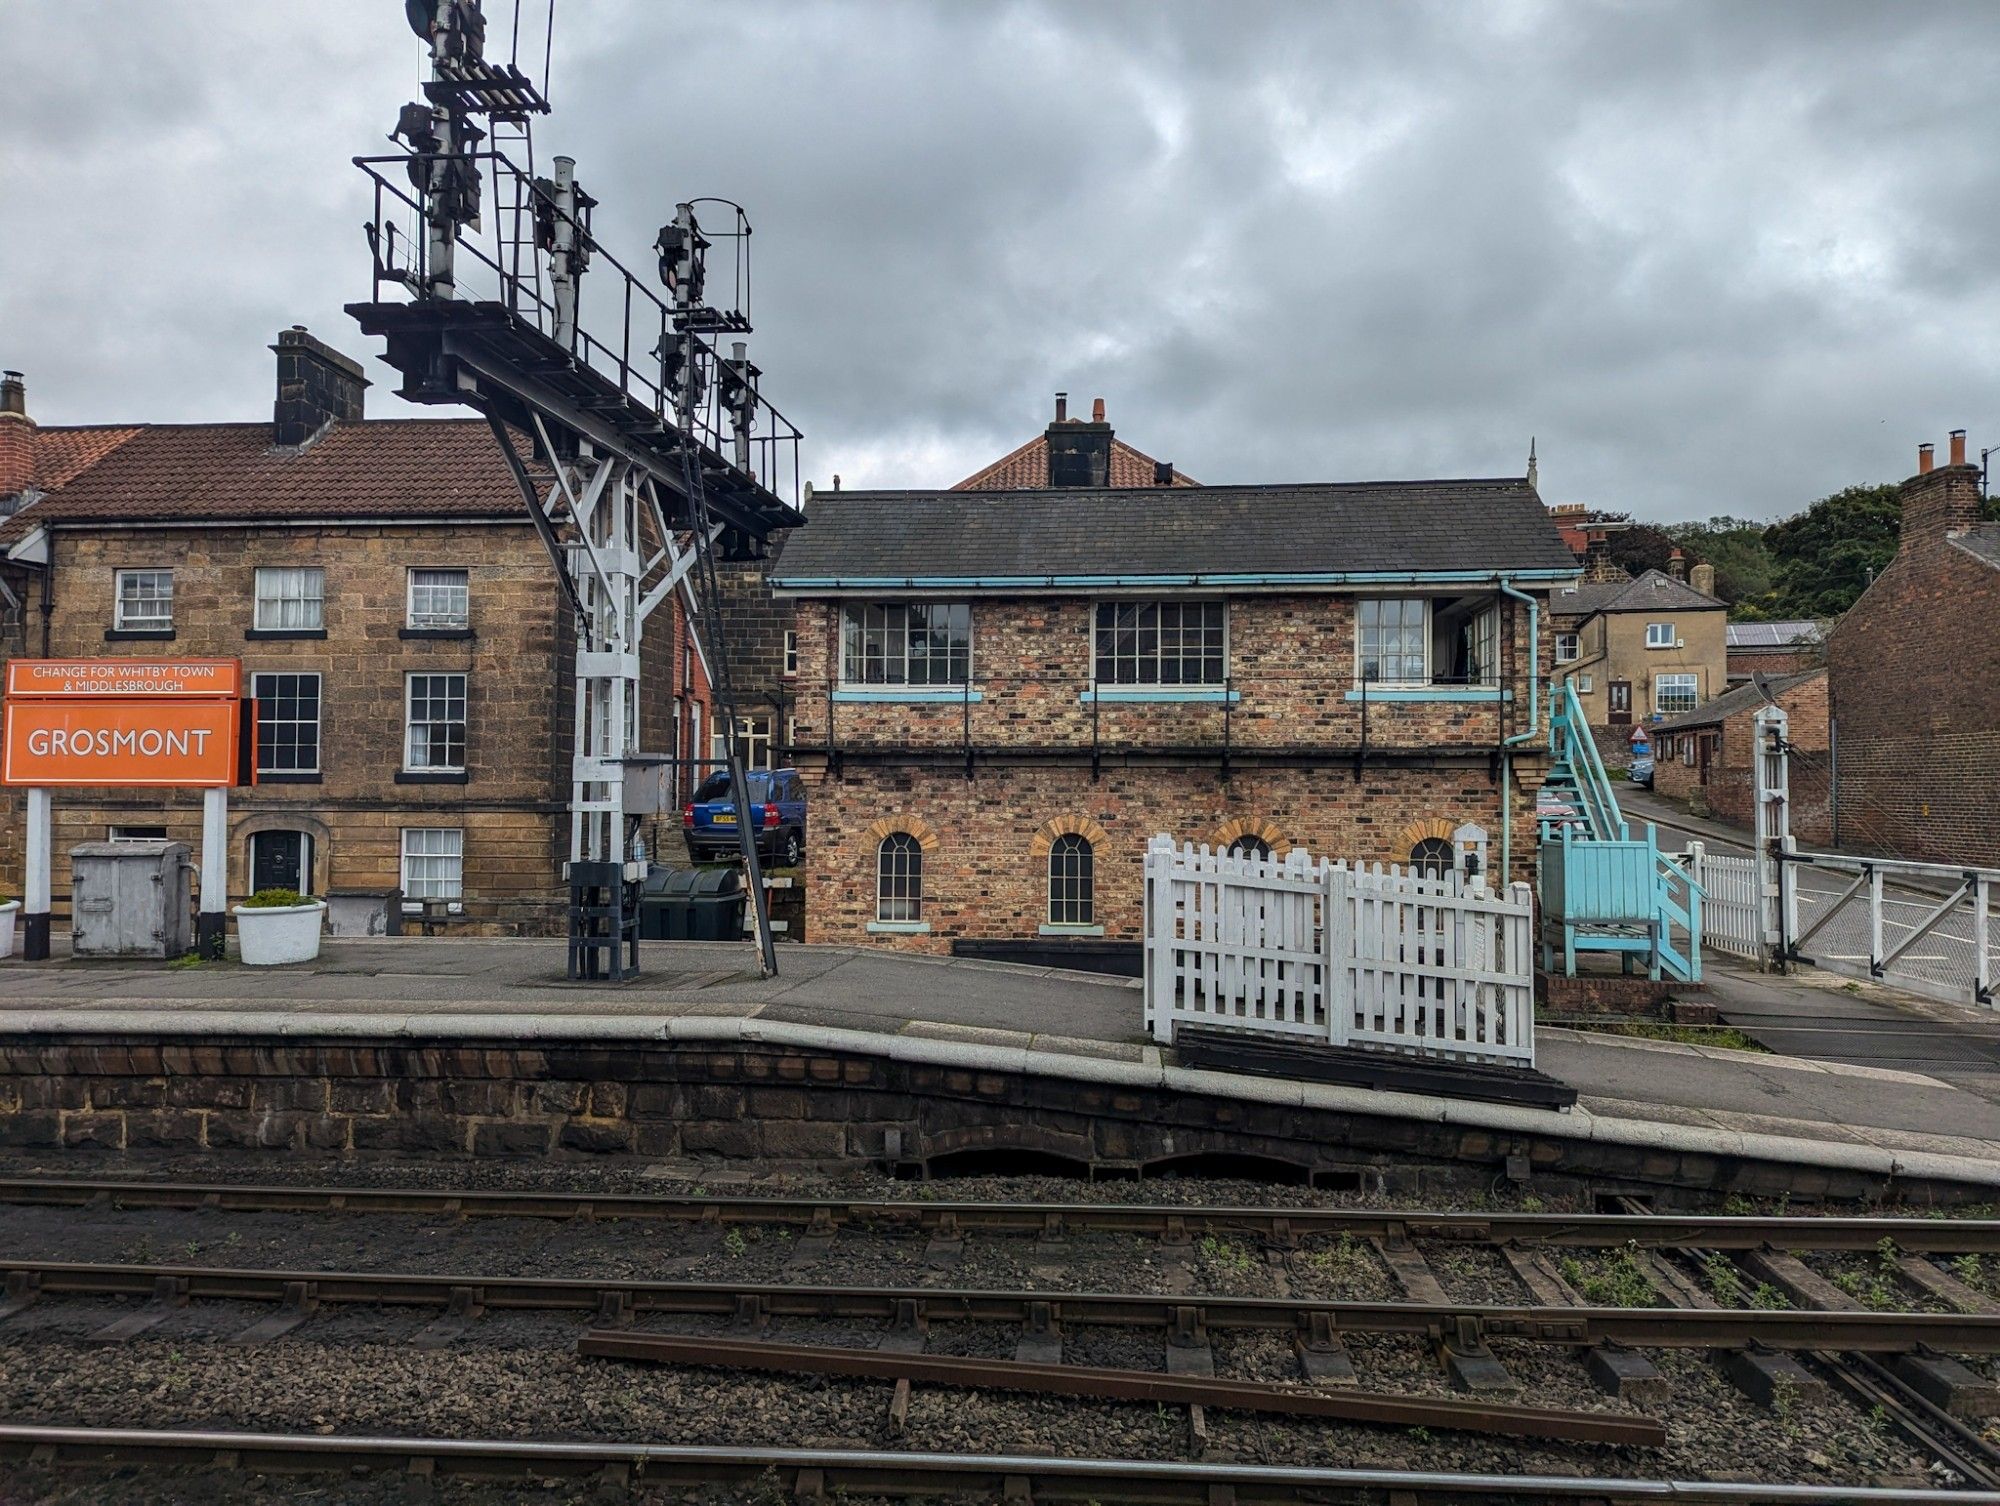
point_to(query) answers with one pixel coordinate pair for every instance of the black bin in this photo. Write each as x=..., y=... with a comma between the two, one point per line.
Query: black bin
x=692, y=904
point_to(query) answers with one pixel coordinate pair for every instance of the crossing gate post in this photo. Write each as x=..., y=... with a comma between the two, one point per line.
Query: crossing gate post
x=1774, y=828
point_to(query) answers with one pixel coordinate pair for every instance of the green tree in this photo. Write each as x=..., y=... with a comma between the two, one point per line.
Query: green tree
x=1744, y=571
x=1824, y=558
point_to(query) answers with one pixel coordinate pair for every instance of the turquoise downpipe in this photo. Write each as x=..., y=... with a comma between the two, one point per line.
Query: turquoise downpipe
x=1534, y=721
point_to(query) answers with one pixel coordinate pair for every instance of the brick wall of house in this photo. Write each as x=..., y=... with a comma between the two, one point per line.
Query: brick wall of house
x=512, y=804
x=756, y=623
x=1730, y=791
x=1915, y=682
x=986, y=839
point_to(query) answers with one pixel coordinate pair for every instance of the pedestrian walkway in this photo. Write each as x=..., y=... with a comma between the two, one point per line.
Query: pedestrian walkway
x=1034, y=1018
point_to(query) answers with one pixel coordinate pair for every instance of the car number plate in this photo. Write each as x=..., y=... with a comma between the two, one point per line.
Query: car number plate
x=723, y=818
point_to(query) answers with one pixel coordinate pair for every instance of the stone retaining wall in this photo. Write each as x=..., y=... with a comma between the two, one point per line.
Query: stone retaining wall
x=824, y=1108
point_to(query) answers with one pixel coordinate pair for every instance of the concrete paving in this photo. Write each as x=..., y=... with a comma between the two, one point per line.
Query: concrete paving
x=420, y=985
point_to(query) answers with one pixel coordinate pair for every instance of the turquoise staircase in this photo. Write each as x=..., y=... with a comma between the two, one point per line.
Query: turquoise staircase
x=1602, y=889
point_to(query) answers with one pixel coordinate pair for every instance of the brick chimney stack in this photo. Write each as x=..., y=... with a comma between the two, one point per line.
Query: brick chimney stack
x=1079, y=452
x=17, y=436
x=1702, y=578
x=1940, y=500
x=317, y=386
x=1677, y=565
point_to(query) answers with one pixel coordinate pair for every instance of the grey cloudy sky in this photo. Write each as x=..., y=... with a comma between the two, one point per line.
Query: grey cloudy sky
x=1718, y=258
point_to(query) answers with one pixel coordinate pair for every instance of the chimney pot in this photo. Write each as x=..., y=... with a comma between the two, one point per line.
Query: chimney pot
x=1163, y=473
x=1958, y=447
x=1677, y=565
x=1097, y=410
x=13, y=393
x=1062, y=407
x=1924, y=458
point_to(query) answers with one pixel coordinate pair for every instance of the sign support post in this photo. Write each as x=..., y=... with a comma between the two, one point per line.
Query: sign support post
x=211, y=922
x=35, y=897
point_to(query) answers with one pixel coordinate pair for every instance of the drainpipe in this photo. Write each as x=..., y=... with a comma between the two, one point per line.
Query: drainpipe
x=1514, y=741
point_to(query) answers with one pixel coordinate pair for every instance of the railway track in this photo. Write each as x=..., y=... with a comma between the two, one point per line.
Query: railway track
x=821, y=1474
x=1171, y=1222
x=1189, y=1349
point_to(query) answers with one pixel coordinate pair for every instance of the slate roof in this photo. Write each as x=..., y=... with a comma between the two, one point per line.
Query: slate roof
x=378, y=468
x=1982, y=542
x=1730, y=702
x=1654, y=591
x=1027, y=469
x=1755, y=635
x=1176, y=533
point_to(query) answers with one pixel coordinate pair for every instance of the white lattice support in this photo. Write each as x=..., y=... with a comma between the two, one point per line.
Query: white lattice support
x=606, y=563
x=1774, y=825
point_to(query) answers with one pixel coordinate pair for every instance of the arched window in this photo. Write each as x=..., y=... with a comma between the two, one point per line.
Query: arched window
x=899, y=878
x=1433, y=857
x=1249, y=846
x=1072, y=881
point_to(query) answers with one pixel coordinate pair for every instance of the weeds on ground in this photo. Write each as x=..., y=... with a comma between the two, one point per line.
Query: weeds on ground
x=1967, y=1268
x=1616, y=1281
x=1726, y=1281
x=185, y=961
x=1225, y=1256
x=1875, y=1288
x=733, y=1242
x=1346, y=1260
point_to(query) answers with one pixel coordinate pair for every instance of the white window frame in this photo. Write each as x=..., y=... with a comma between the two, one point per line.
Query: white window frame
x=909, y=860
x=124, y=621
x=272, y=598
x=449, y=884
x=856, y=628
x=1081, y=909
x=1660, y=635
x=1691, y=681
x=1424, y=637
x=1097, y=681
x=318, y=721
x=1483, y=627
x=756, y=739
x=1574, y=643
x=432, y=621
x=792, y=651
x=410, y=723
x=1582, y=684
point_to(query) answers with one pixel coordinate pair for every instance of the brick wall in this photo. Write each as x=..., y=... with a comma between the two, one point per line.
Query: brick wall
x=1915, y=684
x=512, y=805
x=1730, y=791
x=986, y=840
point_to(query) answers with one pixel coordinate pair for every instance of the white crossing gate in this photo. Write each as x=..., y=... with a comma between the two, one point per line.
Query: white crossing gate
x=1732, y=918
x=1381, y=957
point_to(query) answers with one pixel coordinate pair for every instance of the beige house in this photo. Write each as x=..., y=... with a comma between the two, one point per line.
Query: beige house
x=1639, y=650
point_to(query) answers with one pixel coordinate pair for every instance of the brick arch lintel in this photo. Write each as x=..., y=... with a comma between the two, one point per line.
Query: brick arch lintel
x=1421, y=830
x=1267, y=832
x=916, y=826
x=1063, y=826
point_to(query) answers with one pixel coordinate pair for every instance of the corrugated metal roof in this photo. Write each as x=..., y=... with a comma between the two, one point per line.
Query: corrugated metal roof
x=1772, y=634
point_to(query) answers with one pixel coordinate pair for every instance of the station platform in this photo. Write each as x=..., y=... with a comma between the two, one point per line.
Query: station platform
x=1879, y=1120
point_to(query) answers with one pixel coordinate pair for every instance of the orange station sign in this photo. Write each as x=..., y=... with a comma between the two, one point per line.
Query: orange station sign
x=117, y=722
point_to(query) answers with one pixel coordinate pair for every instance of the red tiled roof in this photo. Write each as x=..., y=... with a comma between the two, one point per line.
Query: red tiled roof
x=379, y=468
x=61, y=454
x=1027, y=469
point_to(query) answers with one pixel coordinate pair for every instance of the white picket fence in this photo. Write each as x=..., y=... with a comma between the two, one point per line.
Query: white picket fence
x=1356, y=956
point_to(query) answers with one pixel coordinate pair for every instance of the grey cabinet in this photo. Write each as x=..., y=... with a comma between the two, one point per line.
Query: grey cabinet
x=130, y=899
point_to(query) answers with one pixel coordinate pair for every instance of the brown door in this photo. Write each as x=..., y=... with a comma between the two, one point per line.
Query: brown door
x=1619, y=702
x=1707, y=746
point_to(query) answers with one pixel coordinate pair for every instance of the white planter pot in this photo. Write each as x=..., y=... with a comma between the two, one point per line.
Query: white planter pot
x=273, y=937
x=7, y=913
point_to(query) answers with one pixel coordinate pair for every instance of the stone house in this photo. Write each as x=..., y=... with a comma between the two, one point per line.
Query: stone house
x=397, y=619
x=1704, y=760
x=1638, y=651
x=1003, y=696
x=1914, y=680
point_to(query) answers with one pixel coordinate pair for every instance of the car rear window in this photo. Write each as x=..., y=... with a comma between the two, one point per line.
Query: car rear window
x=716, y=786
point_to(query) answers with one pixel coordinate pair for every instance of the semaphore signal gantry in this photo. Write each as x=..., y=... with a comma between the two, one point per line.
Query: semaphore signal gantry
x=650, y=452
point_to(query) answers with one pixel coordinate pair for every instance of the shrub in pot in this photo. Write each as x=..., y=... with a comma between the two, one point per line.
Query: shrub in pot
x=276, y=926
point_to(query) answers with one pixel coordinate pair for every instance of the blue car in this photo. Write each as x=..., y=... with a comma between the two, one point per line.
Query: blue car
x=777, y=814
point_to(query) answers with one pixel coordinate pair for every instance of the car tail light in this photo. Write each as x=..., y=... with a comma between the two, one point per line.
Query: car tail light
x=770, y=815
x=687, y=816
